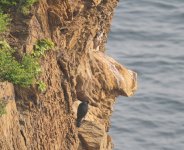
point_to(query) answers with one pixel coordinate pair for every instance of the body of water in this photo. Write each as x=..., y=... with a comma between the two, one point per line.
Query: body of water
x=147, y=36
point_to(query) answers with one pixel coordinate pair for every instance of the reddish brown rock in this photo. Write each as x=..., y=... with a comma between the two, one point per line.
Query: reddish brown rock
x=10, y=129
x=77, y=69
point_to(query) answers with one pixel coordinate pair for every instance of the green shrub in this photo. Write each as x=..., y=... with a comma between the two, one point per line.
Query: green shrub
x=42, y=46
x=4, y=21
x=8, y=2
x=5, y=4
x=25, y=71
x=41, y=86
x=22, y=5
x=22, y=73
x=2, y=108
x=25, y=5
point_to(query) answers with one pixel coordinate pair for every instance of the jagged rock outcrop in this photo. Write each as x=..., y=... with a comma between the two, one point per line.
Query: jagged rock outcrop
x=77, y=69
x=93, y=136
x=10, y=129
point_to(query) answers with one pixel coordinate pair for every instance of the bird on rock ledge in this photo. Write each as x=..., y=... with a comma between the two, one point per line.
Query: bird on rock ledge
x=81, y=112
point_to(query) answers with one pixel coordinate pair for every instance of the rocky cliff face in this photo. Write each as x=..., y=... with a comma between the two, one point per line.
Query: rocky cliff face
x=76, y=70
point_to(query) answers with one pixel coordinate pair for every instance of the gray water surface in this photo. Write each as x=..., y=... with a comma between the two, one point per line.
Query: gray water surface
x=147, y=36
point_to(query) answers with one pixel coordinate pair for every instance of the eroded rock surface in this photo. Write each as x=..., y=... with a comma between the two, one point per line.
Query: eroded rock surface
x=93, y=136
x=76, y=69
x=10, y=130
x=100, y=80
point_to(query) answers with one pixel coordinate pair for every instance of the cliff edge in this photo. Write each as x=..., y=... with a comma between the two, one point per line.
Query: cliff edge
x=76, y=69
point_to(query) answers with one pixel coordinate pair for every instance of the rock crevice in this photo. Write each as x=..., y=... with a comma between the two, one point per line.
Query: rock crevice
x=76, y=70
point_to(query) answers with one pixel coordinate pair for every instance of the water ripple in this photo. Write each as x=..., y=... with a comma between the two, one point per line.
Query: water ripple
x=148, y=37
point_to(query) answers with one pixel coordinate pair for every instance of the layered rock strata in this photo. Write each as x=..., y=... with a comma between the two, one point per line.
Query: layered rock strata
x=76, y=69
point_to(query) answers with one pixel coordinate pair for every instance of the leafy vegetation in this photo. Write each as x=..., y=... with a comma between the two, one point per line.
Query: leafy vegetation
x=22, y=73
x=4, y=21
x=2, y=108
x=22, y=5
x=5, y=4
x=26, y=71
x=42, y=46
x=41, y=86
x=25, y=5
